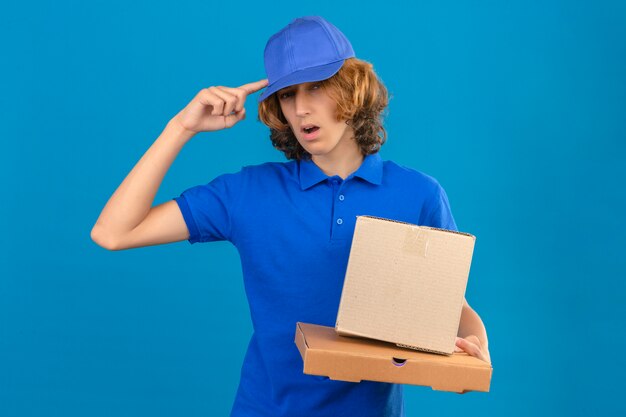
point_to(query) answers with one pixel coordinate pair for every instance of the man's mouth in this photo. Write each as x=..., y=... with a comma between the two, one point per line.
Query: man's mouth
x=309, y=128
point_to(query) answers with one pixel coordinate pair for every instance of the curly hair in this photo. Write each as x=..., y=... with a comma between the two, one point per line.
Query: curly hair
x=361, y=99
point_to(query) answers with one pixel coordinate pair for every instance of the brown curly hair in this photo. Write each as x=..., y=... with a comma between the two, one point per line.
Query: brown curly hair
x=361, y=98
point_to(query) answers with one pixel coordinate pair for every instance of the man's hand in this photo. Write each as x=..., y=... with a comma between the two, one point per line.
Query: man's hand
x=217, y=108
x=472, y=346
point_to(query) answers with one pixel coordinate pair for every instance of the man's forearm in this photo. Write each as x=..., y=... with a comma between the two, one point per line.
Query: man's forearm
x=132, y=200
x=471, y=323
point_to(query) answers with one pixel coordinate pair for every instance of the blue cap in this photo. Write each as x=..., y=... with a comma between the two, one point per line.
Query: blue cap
x=308, y=49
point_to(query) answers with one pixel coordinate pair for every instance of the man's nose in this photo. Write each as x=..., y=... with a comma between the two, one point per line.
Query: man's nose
x=302, y=104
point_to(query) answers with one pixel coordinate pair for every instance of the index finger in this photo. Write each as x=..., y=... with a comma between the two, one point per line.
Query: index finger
x=255, y=86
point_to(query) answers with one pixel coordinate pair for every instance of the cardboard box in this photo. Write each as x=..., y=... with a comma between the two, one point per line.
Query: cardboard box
x=352, y=359
x=405, y=284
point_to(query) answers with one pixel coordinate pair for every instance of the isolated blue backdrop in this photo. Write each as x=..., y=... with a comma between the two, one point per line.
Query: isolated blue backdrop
x=518, y=108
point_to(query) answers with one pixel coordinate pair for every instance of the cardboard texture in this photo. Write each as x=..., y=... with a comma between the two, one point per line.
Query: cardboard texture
x=405, y=284
x=325, y=353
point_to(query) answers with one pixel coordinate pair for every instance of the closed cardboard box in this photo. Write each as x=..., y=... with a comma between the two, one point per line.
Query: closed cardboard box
x=405, y=284
x=325, y=353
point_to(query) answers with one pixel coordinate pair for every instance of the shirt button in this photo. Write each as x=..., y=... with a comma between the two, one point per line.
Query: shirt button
x=339, y=221
x=341, y=197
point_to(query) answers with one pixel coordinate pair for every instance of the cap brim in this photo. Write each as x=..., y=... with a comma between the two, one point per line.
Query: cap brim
x=303, y=76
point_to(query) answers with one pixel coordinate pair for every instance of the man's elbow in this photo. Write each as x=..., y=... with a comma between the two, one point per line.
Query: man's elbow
x=104, y=240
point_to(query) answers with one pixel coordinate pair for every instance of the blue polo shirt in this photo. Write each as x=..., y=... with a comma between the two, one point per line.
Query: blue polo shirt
x=292, y=225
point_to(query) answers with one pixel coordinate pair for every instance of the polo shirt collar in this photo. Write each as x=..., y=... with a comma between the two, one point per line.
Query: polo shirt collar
x=371, y=170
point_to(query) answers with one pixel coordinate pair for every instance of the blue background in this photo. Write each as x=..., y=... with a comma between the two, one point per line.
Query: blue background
x=518, y=108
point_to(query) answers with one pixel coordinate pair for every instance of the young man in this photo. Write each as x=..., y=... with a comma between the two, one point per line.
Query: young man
x=292, y=222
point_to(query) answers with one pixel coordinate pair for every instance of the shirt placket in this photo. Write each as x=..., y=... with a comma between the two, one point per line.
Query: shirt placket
x=338, y=212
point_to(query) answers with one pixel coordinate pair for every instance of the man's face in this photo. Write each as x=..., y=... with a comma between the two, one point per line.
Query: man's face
x=307, y=105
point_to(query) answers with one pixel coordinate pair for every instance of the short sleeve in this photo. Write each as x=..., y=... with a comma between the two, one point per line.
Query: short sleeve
x=440, y=214
x=209, y=209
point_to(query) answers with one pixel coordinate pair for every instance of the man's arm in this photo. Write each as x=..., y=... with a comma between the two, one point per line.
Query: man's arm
x=128, y=219
x=472, y=335
x=122, y=223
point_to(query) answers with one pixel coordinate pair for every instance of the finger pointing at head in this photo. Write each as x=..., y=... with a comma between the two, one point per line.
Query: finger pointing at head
x=255, y=86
